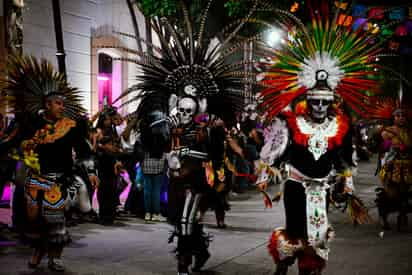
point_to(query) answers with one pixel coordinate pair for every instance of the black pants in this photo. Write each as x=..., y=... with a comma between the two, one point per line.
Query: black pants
x=135, y=201
x=7, y=168
x=295, y=209
x=19, y=207
x=215, y=201
x=106, y=196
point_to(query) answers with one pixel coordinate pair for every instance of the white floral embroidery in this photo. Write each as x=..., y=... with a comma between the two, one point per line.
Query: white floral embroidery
x=319, y=134
x=317, y=220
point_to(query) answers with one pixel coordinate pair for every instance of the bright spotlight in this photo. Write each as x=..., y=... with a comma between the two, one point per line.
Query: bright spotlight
x=274, y=37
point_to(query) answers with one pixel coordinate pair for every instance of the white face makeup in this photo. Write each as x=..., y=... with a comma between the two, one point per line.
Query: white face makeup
x=186, y=108
x=318, y=108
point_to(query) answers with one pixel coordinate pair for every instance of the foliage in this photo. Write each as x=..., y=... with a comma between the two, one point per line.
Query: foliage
x=171, y=9
x=157, y=7
x=235, y=8
x=240, y=8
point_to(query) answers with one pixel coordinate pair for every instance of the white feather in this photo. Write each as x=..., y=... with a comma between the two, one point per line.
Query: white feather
x=321, y=61
x=276, y=141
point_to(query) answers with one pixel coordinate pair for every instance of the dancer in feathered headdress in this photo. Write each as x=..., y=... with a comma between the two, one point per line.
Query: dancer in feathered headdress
x=324, y=53
x=185, y=86
x=395, y=160
x=325, y=65
x=45, y=107
x=188, y=63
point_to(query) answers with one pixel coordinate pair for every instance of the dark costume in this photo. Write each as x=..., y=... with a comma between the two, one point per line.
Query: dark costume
x=46, y=192
x=47, y=151
x=187, y=186
x=219, y=171
x=309, y=173
x=107, y=194
x=312, y=140
x=395, y=161
x=190, y=76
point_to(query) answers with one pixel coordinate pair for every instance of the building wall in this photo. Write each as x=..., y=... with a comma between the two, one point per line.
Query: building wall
x=82, y=22
x=2, y=50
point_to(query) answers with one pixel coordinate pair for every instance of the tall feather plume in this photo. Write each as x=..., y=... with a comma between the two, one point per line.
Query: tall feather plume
x=385, y=106
x=189, y=30
x=215, y=51
x=176, y=39
x=203, y=23
x=155, y=47
x=182, y=62
x=345, y=54
x=30, y=81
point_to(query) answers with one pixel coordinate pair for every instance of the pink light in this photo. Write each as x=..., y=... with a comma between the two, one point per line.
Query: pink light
x=104, y=89
x=103, y=78
x=117, y=82
x=6, y=193
x=123, y=196
x=125, y=193
x=110, y=85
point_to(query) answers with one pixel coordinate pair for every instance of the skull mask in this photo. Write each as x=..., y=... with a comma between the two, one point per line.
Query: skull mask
x=318, y=108
x=186, y=108
x=249, y=112
x=320, y=96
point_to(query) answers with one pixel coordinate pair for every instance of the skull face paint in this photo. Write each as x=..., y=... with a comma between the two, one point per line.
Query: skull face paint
x=318, y=108
x=250, y=112
x=186, y=108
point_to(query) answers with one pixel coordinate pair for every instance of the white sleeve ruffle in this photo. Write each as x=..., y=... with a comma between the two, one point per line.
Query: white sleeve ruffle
x=276, y=141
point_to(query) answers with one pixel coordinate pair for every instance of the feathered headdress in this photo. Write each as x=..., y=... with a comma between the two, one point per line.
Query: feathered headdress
x=386, y=107
x=321, y=60
x=188, y=63
x=30, y=82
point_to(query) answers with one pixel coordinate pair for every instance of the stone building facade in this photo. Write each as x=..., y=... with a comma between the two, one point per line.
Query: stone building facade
x=89, y=29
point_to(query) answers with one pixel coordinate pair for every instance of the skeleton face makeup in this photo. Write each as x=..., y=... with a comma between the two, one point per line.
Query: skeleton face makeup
x=318, y=108
x=250, y=112
x=186, y=108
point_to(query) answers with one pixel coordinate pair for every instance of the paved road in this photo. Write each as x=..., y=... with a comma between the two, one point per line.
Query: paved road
x=133, y=247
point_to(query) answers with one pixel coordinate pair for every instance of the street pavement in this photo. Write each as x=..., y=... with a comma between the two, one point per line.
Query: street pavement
x=133, y=247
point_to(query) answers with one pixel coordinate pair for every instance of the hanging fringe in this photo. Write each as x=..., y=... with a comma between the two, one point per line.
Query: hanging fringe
x=357, y=211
